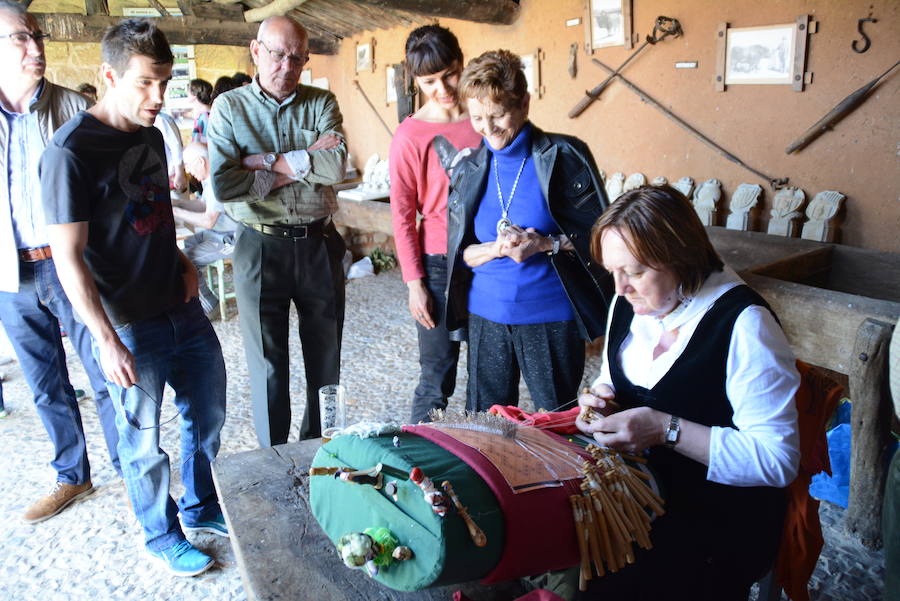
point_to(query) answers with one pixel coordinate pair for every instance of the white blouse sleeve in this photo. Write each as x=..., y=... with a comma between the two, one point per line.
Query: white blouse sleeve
x=605, y=377
x=762, y=379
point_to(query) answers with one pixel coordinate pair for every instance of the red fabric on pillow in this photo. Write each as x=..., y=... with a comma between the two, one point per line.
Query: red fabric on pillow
x=561, y=422
x=540, y=530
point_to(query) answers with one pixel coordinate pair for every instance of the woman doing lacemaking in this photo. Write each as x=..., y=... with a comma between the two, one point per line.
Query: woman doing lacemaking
x=697, y=370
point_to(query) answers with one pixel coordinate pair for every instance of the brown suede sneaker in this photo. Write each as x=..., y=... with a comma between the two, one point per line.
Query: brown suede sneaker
x=58, y=499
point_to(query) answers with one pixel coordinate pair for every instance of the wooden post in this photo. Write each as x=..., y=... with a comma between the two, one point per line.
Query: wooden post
x=871, y=420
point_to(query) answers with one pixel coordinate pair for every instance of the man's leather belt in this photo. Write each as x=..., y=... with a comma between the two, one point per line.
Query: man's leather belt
x=293, y=231
x=32, y=255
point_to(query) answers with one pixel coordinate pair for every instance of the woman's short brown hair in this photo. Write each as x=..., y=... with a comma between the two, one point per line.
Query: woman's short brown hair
x=496, y=76
x=662, y=231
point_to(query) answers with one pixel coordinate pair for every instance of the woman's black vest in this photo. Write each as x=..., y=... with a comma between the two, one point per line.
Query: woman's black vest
x=694, y=389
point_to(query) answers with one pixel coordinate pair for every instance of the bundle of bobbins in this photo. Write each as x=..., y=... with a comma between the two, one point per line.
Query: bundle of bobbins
x=611, y=513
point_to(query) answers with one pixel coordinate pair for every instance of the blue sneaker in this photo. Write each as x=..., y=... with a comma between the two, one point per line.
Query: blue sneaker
x=213, y=526
x=183, y=559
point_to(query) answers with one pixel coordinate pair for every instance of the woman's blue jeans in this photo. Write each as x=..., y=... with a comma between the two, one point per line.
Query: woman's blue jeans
x=179, y=348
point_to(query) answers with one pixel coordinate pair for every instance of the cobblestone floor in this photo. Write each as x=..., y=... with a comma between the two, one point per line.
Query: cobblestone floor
x=93, y=550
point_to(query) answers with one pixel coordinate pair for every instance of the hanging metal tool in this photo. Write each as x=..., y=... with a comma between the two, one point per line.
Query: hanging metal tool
x=372, y=106
x=844, y=108
x=866, y=42
x=663, y=28
x=775, y=183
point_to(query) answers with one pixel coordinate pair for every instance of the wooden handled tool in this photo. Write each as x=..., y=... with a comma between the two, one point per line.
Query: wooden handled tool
x=475, y=533
x=844, y=108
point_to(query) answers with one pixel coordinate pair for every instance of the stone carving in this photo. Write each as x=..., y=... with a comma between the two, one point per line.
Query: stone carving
x=635, y=181
x=615, y=185
x=659, y=180
x=821, y=211
x=744, y=199
x=685, y=185
x=785, y=212
x=706, y=198
x=376, y=181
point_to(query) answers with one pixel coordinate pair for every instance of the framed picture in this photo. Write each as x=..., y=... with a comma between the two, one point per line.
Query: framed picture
x=531, y=65
x=306, y=77
x=389, y=74
x=608, y=23
x=760, y=55
x=364, y=56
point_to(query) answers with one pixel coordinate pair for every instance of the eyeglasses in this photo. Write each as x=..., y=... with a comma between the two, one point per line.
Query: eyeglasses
x=292, y=59
x=20, y=38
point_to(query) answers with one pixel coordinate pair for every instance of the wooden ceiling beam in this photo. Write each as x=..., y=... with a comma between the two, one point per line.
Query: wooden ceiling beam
x=497, y=12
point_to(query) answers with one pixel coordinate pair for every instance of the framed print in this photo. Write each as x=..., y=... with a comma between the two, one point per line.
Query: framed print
x=606, y=25
x=306, y=77
x=531, y=65
x=759, y=55
x=364, y=56
x=389, y=74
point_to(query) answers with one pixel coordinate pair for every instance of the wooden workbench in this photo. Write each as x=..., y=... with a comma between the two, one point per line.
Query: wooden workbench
x=282, y=553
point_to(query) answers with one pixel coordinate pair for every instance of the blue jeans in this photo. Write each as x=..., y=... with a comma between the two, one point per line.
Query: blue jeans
x=179, y=348
x=31, y=318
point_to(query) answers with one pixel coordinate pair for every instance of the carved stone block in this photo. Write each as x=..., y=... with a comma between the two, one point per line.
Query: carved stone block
x=685, y=185
x=635, y=181
x=706, y=199
x=820, y=212
x=786, y=212
x=615, y=185
x=744, y=199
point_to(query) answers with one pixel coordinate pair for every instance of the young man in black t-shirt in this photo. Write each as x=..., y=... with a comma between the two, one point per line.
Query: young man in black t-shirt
x=106, y=200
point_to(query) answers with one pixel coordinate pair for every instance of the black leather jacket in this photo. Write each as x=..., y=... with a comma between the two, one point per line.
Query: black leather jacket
x=575, y=198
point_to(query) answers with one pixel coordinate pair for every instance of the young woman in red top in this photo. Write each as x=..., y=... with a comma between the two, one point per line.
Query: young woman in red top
x=423, y=147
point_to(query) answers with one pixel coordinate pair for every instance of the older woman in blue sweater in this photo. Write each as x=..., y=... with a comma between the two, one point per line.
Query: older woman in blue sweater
x=520, y=212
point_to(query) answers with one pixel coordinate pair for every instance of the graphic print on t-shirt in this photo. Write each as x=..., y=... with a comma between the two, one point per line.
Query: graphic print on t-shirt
x=143, y=178
x=448, y=154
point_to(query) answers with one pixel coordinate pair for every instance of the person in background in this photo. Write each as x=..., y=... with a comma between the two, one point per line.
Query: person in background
x=439, y=129
x=109, y=216
x=200, y=99
x=178, y=181
x=88, y=91
x=222, y=85
x=705, y=379
x=33, y=303
x=521, y=210
x=276, y=147
x=215, y=237
x=241, y=79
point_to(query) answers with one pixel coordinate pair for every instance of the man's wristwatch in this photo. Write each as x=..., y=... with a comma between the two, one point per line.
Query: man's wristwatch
x=269, y=160
x=673, y=431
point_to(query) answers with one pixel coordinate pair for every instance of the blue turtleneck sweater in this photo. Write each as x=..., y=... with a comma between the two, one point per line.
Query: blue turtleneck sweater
x=504, y=291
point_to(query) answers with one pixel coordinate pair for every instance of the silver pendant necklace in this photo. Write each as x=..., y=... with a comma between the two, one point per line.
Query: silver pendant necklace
x=504, y=221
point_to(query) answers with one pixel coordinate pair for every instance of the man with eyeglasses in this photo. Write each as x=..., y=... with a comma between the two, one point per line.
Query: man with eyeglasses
x=276, y=147
x=32, y=301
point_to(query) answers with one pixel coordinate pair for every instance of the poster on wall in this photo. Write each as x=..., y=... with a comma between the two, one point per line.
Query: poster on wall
x=759, y=55
x=389, y=74
x=607, y=23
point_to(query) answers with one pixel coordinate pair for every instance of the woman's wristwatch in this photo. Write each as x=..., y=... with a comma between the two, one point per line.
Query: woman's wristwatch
x=554, y=240
x=673, y=431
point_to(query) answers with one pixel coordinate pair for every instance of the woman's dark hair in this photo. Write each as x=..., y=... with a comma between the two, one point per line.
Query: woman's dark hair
x=662, y=231
x=134, y=37
x=431, y=48
x=495, y=76
x=223, y=84
x=202, y=89
x=240, y=78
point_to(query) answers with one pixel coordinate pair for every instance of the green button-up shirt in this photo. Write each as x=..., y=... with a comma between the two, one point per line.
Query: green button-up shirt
x=249, y=121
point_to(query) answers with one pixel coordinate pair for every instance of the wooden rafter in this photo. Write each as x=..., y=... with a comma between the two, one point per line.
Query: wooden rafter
x=159, y=8
x=272, y=9
x=96, y=7
x=500, y=12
